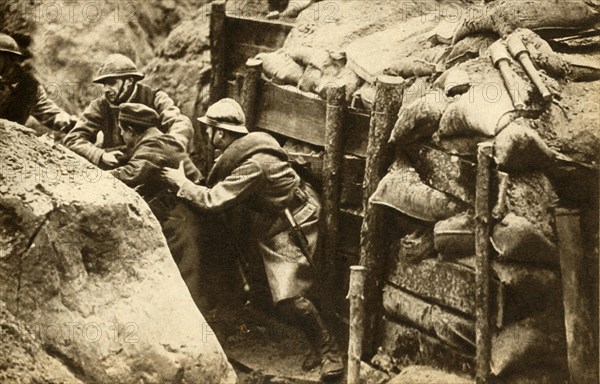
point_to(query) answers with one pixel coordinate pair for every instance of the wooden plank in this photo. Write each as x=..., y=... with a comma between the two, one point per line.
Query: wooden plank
x=409, y=346
x=582, y=345
x=482, y=265
x=388, y=98
x=218, y=50
x=445, y=283
x=453, y=329
x=301, y=116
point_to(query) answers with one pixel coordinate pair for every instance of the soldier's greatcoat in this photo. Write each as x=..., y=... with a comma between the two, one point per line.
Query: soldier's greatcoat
x=254, y=172
x=102, y=116
x=180, y=224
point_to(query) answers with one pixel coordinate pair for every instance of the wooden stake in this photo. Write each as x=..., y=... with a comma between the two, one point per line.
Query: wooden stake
x=577, y=299
x=332, y=164
x=388, y=98
x=250, y=92
x=482, y=267
x=357, y=316
x=218, y=83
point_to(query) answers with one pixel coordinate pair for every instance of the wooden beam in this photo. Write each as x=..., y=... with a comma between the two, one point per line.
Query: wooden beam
x=482, y=265
x=388, y=98
x=250, y=92
x=332, y=166
x=218, y=43
x=582, y=347
x=357, y=313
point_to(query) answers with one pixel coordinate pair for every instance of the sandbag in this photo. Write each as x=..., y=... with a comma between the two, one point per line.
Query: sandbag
x=419, y=119
x=416, y=246
x=519, y=148
x=469, y=48
x=530, y=195
x=366, y=94
x=403, y=190
x=458, y=145
x=454, y=82
x=420, y=63
x=504, y=16
x=516, y=239
x=351, y=81
x=528, y=343
x=309, y=81
x=280, y=68
x=305, y=56
x=484, y=110
x=443, y=32
x=455, y=236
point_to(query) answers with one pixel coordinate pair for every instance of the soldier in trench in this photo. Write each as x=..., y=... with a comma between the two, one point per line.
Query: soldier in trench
x=253, y=171
x=119, y=77
x=21, y=94
x=150, y=149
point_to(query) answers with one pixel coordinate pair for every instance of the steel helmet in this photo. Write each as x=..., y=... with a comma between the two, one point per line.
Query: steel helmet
x=225, y=114
x=117, y=65
x=9, y=45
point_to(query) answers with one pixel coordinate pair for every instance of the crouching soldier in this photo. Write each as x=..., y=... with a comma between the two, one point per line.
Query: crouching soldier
x=120, y=78
x=150, y=150
x=253, y=171
x=21, y=95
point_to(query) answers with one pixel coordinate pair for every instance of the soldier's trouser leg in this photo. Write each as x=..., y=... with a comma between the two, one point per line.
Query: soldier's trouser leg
x=302, y=313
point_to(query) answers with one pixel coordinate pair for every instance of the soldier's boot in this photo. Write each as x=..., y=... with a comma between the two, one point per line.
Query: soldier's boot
x=305, y=316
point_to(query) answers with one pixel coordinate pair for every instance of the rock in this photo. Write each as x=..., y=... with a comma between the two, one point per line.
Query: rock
x=86, y=265
x=23, y=358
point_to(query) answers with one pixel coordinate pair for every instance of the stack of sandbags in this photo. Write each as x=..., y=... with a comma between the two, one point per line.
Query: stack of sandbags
x=310, y=69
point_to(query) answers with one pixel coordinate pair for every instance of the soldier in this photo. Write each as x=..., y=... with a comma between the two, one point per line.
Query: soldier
x=119, y=77
x=253, y=171
x=150, y=150
x=21, y=95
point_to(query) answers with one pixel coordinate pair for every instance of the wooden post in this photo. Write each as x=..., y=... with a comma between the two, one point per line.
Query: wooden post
x=388, y=98
x=218, y=81
x=332, y=166
x=577, y=299
x=357, y=315
x=250, y=92
x=483, y=339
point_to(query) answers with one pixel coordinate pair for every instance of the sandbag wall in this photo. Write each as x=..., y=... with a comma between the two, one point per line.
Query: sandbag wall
x=541, y=149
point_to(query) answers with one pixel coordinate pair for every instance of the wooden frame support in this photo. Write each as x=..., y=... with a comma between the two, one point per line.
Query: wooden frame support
x=218, y=81
x=333, y=157
x=250, y=92
x=578, y=300
x=483, y=339
x=357, y=315
x=388, y=98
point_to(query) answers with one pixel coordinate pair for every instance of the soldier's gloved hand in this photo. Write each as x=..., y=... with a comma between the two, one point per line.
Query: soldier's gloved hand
x=174, y=178
x=111, y=159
